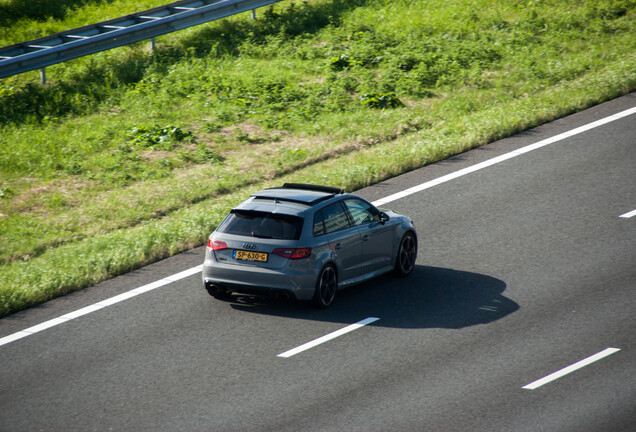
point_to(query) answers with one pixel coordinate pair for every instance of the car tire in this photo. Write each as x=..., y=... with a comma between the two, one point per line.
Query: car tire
x=407, y=253
x=326, y=287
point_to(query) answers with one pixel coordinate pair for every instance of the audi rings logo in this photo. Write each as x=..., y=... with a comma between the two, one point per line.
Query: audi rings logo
x=250, y=246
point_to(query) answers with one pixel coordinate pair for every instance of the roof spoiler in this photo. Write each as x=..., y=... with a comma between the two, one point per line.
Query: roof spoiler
x=317, y=188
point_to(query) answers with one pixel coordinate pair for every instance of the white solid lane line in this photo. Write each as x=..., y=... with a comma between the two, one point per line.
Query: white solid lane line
x=504, y=157
x=97, y=306
x=578, y=365
x=108, y=302
x=328, y=337
x=628, y=214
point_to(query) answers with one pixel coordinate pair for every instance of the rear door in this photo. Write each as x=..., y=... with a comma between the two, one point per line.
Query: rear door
x=333, y=227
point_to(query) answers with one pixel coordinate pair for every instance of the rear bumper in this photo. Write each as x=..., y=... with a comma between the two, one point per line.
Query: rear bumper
x=258, y=280
x=213, y=287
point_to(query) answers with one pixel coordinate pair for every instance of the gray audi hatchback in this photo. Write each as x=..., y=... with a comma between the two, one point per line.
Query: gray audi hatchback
x=307, y=242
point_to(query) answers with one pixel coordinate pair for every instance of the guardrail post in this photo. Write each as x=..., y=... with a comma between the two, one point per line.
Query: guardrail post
x=254, y=14
x=152, y=44
x=43, y=76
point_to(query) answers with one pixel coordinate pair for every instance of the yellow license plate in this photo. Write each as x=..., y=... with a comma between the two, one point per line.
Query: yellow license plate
x=250, y=256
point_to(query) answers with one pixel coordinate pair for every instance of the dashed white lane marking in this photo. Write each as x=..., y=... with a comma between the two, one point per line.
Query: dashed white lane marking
x=108, y=302
x=504, y=157
x=578, y=365
x=99, y=305
x=328, y=337
x=628, y=214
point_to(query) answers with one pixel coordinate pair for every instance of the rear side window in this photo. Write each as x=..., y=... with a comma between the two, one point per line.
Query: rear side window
x=262, y=225
x=330, y=219
x=319, y=224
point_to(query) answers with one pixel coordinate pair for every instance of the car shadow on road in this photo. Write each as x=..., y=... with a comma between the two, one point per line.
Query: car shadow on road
x=431, y=297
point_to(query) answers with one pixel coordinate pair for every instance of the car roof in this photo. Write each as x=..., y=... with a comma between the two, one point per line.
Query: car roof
x=299, y=193
x=291, y=198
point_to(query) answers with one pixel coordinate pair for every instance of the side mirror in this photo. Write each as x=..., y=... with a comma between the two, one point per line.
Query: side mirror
x=384, y=218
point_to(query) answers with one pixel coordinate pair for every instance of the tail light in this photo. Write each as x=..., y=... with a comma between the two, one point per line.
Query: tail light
x=216, y=245
x=293, y=253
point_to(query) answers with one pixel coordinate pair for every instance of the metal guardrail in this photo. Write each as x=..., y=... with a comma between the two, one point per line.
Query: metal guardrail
x=70, y=44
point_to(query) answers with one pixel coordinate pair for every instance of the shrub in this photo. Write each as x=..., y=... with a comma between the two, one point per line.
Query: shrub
x=164, y=138
x=380, y=100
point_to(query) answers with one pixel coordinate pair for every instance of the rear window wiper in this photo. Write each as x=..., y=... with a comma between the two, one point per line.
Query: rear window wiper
x=261, y=235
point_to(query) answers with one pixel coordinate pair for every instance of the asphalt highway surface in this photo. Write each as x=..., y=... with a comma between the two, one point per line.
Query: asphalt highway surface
x=526, y=270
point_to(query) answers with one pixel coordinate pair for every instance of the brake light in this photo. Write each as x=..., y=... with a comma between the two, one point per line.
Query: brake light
x=216, y=245
x=293, y=253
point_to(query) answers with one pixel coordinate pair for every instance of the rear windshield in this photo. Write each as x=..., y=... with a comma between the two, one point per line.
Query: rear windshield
x=262, y=225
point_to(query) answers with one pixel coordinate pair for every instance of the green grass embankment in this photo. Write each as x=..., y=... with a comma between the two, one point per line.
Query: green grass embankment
x=129, y=156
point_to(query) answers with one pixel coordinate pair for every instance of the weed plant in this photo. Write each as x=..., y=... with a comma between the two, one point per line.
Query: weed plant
x=128, y=156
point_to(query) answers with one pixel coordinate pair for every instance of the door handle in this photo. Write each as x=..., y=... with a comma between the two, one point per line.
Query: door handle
x=338, y=246
x=365, y=237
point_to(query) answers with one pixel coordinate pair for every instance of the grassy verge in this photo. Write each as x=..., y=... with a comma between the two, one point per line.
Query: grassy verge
x=133, y=156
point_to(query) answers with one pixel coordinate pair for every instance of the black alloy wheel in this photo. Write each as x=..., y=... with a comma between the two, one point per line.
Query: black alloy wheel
x=407, y=253
x=326, y=287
